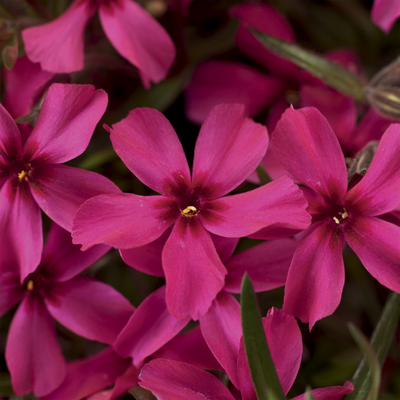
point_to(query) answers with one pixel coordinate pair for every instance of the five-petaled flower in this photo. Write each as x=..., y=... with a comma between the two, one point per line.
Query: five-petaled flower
x=31, y=177
x=138, y=37
x=229, y=147
x=306, y=146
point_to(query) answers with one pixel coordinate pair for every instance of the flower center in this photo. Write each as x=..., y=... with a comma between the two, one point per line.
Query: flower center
x=189, y=205
x=21, y=170
x=340, y=216
x=34, y=281
x=190, y=211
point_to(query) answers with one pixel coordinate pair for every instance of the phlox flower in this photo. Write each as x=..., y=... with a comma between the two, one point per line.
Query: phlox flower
x=305, y=145
x=31, y=177
x=217, y=81
x=173, y=380
x=384, y=13
x=267, y=264
x=89, y=377
x=87, y=307
x=58, y=45
x=228, y=149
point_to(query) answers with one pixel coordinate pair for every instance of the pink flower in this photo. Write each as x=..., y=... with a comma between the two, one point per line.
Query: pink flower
x=384, y=13
x=171, y=380
x=89, y=376
x=267, y=264
x=228, y=149
x=87, y=307
x=305, y=145
x=58, y=45
x=31, y=177
x=24, y=86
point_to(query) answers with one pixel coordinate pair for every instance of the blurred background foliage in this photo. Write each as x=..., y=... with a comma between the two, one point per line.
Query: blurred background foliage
x=207, y=32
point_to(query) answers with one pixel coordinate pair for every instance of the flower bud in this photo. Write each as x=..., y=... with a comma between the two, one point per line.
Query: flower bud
x=383, y=92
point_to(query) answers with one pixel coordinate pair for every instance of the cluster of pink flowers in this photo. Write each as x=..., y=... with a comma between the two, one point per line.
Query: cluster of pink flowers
x=187, y=232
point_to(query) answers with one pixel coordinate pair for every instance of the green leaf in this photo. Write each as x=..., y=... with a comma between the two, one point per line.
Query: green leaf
x=331, y=73
x=263, y=373
x=370, y=356
x=381, y=340
x=263, y=175
x=309, y=395
x=141, y=394
x=98, y=158
x=9, y=54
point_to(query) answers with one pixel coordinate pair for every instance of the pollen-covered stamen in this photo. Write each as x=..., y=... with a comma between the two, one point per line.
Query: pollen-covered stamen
x=189, y=211
x=23, y=174
x=342, y=215
x=35, y=282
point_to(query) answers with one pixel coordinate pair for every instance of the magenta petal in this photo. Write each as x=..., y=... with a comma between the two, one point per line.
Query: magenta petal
x=280, y=204
x=217, y=82
x=10, y=137
x=11, y=291
x=193, y=269
x=123, y=220
x=58, y=45
x=60, y=190
x=228, y=149
x=90, y=375
x=190, y=348
x=266, y=19
x=173, y=380
x=286, y=347
x=222, y=329
x=33, y=354
x=65, y=124
x=123, y=383
x=384, y=13
x=377, y=245
x=89, y=308
x=21, y=224
x=224, y=246
x=329, y=393
x=304, y=143
x=267, y=265
x=147, y=258
x=378, y=192
x=63, y=260
x=149, y=328
x=148, y=145
x=316, y=275
x=139, y=38
x=339, y=110
x=371, y=127
x=285, y=344
x=25, y=82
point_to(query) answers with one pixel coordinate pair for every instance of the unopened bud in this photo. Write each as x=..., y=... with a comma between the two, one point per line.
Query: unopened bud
x=363, y=159
x=383, y=92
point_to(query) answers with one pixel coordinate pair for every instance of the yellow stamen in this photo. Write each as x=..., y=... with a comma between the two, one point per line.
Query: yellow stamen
x=21, y=175
x=344, y=214
x=29, y=286
x=189, y=210
x=336, y=220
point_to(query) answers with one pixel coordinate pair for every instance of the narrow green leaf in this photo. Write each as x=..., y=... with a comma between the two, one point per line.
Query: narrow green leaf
x=262, y=369
x=263, y=175
x=98, y=158
x=371, y=358
x=9, y=54
x=141, y=394
x=331, y=73
x=381, y=339
x=309, y=395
